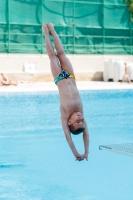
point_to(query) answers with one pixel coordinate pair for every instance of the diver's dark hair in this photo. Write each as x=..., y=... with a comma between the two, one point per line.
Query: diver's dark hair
x=77, y=131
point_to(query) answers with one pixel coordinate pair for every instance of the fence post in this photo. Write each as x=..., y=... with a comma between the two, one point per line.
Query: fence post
x=73, y=26
x=41, y=27
x=130, y=35
x=8, y=23
x=103, y=28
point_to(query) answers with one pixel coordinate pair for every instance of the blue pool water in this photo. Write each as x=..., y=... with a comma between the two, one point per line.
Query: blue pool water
x=36, y=162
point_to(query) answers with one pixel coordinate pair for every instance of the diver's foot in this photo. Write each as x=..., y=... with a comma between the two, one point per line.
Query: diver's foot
x=45, y=29
x=51, y=27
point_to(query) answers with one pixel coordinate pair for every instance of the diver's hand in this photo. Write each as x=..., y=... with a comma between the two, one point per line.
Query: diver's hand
x=79, y=157
x=85, y=156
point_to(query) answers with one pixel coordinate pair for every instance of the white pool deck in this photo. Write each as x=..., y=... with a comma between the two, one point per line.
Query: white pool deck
x=50, y=86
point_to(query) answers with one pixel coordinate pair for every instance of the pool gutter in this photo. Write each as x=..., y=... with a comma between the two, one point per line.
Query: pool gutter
x=82, y=85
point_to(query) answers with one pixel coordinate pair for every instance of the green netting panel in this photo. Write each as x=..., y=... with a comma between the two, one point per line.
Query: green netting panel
x=80, y=49
x=69, y=49
x=67, y=40
x=17, y=48
x=3, y=48
x=22, y=39
x=60, y=13
x=117, y=16
x=114, y=2
x=88, y=31
x=121, y=42
x=117, y=50
x=84, y=27
x=25, y=29
x=25, y=11
x=88, y=41
x=90, y=1
x=88, y=15
x=122, y=45
x=3, y=38
x=117, y=33
x=3, y=28
x=3, y=11
x=64, y=30
x=95, y=49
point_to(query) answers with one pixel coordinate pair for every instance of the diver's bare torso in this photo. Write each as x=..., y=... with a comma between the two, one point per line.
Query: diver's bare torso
x=70, y=101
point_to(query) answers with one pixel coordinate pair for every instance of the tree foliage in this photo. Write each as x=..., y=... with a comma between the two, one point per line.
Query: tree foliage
x=130, y=7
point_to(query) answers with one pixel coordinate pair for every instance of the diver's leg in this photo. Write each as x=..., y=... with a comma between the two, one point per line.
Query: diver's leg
x=64, y=61
x=54, y=63
x=129, y=80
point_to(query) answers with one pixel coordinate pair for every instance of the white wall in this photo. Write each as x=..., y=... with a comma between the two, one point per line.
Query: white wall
x=13, y=63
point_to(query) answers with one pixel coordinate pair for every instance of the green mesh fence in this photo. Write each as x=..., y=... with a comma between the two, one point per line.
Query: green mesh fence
x=84, y=26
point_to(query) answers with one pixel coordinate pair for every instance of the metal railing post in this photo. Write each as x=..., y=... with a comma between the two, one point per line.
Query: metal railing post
x=41, y=25
x=73, y=26
x=130, y=36
x=103, y=29
x=8, y=23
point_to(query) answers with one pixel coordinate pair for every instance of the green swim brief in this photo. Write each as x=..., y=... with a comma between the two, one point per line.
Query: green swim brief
x=63, y=75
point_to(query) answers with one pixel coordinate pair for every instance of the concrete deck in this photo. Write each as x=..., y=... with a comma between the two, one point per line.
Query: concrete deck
x=50, y=86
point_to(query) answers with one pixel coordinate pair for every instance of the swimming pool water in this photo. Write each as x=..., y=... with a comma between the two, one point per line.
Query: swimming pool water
x=36, y=162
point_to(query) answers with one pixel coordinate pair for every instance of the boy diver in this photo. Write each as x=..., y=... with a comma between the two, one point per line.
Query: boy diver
x=71, y=107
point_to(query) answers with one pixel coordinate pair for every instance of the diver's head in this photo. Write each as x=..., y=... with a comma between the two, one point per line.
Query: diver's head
x=76, y=123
